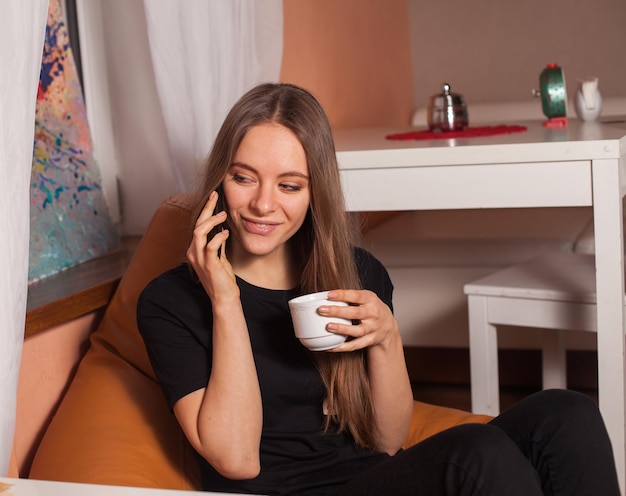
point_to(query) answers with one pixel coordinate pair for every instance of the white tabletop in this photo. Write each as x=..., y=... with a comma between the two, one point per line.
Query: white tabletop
x=517, y=170
x=368, y=147
x=28, y=487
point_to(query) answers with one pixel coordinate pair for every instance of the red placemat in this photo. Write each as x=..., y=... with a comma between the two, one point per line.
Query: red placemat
x=470, y=132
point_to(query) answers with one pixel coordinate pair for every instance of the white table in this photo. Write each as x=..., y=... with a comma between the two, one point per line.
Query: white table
x=29, y=487
x=579, y=165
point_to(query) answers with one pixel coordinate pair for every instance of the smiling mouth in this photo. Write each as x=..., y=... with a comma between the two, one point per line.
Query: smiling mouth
x=260, y=227
x=259, y=223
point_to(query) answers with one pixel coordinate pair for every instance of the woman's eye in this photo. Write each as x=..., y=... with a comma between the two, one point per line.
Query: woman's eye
x=291, y=187
x=240, y=179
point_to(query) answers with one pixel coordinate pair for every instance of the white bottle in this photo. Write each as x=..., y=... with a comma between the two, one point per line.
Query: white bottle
x=588, y=101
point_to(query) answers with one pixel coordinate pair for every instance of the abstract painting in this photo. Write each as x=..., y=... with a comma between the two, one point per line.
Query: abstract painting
x=69, y=216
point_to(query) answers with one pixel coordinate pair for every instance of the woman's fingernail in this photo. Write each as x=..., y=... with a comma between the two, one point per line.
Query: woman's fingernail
x=323, y=309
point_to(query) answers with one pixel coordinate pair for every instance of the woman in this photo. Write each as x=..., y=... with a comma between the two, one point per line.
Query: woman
x=268, y=417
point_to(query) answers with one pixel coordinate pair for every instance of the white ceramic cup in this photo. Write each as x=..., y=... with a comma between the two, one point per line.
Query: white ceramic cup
x=310, y=326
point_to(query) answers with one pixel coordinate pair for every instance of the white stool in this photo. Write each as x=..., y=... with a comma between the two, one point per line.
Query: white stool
x=554, y=292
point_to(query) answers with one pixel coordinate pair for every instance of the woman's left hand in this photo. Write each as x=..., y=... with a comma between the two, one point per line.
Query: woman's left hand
x=373, y=321
x=376, y=330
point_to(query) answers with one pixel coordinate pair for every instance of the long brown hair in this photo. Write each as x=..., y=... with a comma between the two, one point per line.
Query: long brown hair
x=324, y=243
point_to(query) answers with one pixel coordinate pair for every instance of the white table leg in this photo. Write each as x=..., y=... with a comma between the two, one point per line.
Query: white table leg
x=609, y=248
x=483, y=358
x=553, y=359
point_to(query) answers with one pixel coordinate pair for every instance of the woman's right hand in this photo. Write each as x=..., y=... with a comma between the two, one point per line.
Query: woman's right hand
x=223, y=421
x=208, y=255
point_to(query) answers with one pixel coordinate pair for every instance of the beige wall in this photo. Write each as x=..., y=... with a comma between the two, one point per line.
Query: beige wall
x=372, y=62
x=354, y=55
x=494, y=50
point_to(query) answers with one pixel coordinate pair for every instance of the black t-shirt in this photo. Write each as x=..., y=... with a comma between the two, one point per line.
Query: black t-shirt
x=297, y=457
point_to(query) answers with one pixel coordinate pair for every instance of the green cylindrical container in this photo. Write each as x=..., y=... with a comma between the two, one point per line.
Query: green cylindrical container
x=553, y=92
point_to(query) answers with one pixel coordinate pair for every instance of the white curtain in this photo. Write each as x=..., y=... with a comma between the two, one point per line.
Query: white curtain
x=22, y=32
x=174, y=68
x=205, y=57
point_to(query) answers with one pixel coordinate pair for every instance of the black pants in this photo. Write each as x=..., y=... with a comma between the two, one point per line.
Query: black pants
x=551, y=443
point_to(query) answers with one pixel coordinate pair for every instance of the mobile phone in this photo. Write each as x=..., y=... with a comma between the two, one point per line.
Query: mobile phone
x=219, y=206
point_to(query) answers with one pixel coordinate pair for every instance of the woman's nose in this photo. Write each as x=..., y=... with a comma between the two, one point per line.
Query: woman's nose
x=264, y=201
